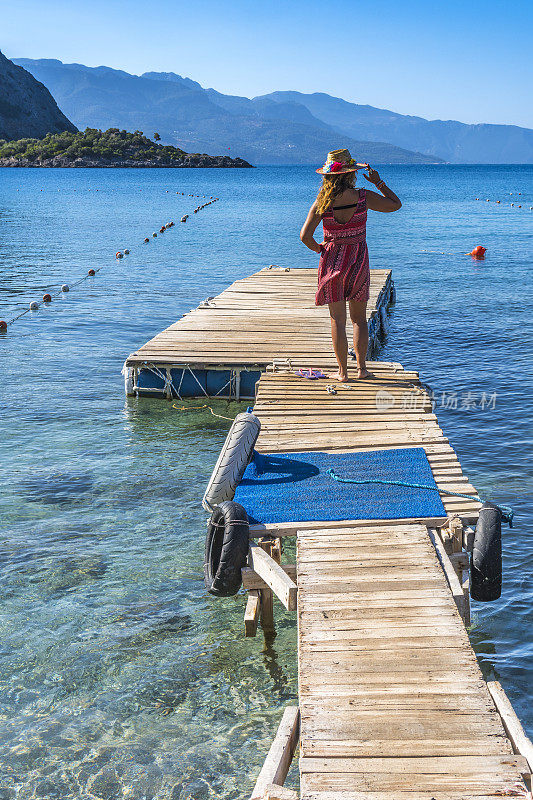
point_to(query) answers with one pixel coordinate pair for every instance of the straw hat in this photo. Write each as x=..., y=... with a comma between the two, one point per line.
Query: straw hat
x=339, y=162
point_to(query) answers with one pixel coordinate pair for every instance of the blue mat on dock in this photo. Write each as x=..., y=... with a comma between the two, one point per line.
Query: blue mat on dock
x=295, y=487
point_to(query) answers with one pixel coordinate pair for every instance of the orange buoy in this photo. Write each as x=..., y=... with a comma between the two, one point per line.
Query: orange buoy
x=519, y=206
x=497, y=201
x=47, y=298
x=146, y=240
x=3, y=325
x=118, y=255
x=478, y=252
x=91, y=272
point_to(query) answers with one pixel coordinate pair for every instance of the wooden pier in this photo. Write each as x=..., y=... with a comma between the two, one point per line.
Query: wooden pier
x=392, y=703
x=222, y=347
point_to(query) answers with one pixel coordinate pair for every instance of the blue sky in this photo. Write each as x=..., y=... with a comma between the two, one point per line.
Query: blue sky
x=467, y=60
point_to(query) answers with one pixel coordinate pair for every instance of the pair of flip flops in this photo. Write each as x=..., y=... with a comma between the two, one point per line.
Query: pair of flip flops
x=311, y=374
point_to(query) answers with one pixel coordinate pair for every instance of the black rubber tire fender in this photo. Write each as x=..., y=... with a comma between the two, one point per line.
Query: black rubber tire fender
x=486, y=560
x=226, y=549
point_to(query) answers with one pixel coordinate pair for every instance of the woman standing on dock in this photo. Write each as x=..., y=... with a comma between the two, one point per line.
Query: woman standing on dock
x=343, y=270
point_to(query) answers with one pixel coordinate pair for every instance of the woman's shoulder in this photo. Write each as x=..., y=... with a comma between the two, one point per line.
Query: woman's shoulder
x=348, y=196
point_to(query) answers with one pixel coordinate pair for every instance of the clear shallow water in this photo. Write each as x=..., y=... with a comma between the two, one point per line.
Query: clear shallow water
x=119, y=677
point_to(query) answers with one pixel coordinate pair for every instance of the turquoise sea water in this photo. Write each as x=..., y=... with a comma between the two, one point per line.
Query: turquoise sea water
x=119, y=676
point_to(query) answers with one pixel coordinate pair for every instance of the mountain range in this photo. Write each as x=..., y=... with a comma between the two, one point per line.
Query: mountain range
x=279, y=128
x=27, y=109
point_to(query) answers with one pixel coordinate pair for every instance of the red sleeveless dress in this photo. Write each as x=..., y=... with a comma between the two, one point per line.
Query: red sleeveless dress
x=343, y=269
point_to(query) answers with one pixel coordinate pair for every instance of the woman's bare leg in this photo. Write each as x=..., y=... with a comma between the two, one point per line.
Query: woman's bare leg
x=360, y=335
x=337, y=312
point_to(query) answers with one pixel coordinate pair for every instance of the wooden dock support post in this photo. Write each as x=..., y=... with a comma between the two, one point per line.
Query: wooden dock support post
x=266, y=564
x=450, y=573
x=266, y=596
x=280, y=755
x=251, y=614
x=456, y=533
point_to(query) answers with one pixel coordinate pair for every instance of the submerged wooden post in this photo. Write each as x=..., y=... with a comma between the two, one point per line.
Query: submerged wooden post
x=267, y=598
x=251, y=615
x=449, y=571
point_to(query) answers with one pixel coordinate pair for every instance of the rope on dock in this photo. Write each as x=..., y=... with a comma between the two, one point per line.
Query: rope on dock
x=199, y=408
x=507, y=511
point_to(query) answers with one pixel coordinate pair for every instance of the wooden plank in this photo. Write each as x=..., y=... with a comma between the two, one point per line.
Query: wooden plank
x=279, y=758
x=477, y=793
x=251, y=580
x=426, y=746
x=499, y=785
x=273, y=575
x=513, y=727
x=431, y=765
x=292, y=528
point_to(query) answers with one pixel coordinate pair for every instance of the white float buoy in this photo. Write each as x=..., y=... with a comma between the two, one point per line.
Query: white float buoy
x=34, y=305
x=65, y=288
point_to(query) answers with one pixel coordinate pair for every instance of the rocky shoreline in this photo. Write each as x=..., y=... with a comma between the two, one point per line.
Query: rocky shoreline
x=203, y=161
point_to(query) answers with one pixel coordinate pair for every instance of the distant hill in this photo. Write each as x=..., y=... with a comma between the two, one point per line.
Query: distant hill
x=454, y=141
x=111, y=148
x=263, y=131
x=26, y=106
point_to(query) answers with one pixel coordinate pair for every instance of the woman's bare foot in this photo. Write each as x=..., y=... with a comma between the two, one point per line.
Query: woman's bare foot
x=362, y=373
x=339, y=376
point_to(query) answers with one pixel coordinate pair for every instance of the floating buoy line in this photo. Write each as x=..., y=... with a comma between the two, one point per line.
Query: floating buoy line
x=501, y=202
x=48, y=297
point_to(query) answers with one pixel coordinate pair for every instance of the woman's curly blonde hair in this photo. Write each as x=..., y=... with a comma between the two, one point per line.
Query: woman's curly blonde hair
x=332, y=186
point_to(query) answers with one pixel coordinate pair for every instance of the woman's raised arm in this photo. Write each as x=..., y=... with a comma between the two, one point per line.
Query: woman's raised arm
x=387, y=201
x=309, y=227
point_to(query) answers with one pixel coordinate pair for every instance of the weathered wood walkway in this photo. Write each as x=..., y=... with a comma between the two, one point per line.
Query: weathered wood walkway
x=392, y=703
x=268, y=316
